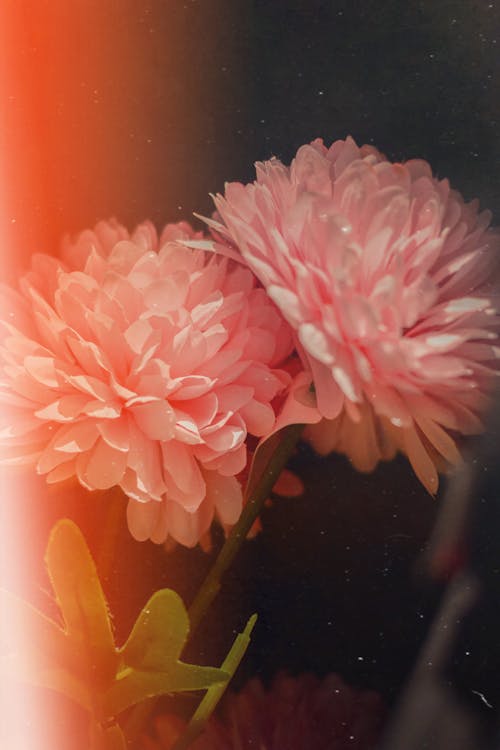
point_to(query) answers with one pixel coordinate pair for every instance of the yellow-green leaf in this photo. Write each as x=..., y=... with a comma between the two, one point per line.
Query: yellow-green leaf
x=133, y=686
x=25, y=625
x=81, y=599
x=159, y=633
x=37, y=651
x=80, y=659
x=151, y=656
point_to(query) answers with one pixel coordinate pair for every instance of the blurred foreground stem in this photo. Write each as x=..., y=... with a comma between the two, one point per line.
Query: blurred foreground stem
x=215, y=693
x=262, y=487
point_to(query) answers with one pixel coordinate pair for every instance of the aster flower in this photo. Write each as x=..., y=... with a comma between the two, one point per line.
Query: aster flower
x=141, y=363
x=388, y=279
x=296, y=713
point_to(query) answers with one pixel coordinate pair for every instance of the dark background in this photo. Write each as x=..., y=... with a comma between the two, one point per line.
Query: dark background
x=139, y=110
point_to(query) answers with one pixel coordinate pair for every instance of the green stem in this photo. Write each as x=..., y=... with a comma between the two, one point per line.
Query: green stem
x=261, y=490
x=287, y=439
x=112, y=737
x=110, y=531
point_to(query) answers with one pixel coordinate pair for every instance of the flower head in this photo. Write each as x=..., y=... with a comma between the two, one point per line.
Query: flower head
x=387, y=277
x=296, y=713
x=144, y=364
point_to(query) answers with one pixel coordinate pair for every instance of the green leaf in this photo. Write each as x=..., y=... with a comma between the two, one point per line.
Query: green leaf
x=151, y=656
x=133, y=686
x=159, y=633
x=270, y=457
x=61, y=681
x=37, y=651
x=81, y=599
x=80, y=659
x=28, y=626
x=260, y=461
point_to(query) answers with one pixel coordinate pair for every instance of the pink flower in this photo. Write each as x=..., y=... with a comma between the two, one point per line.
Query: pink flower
x=303, y=713
x=388, y=279
x=144, y=364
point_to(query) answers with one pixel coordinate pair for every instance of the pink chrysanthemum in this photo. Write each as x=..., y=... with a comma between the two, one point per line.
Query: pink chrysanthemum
x=388, y=279
x=142, y=364
x=297, y=713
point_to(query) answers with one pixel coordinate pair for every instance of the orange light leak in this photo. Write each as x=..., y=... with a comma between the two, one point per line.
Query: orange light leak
x=18, y=708
x=106, y=109
x=66, y=159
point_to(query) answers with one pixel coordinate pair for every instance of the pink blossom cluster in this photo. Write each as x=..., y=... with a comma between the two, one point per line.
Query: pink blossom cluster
x=147, y=363
x=141, y=363
x=390, y=283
